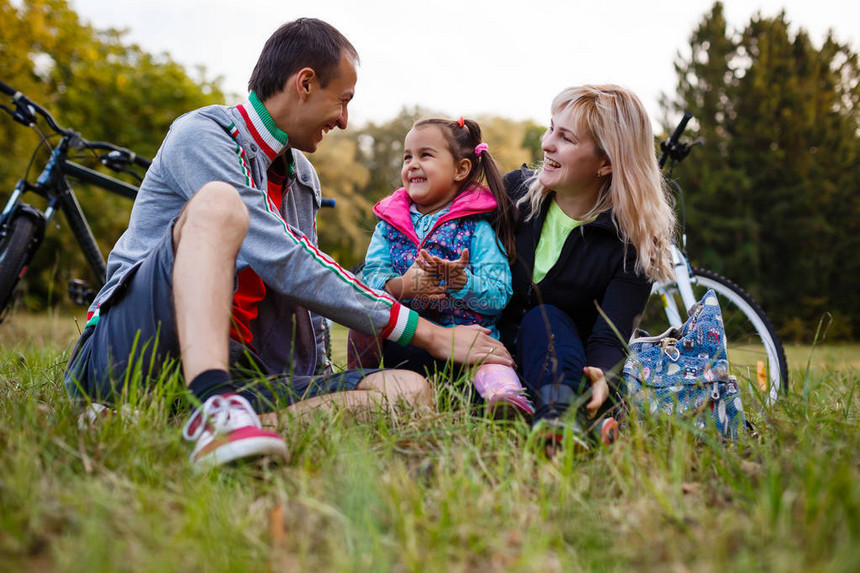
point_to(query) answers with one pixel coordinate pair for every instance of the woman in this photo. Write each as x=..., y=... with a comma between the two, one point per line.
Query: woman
x=594, y=232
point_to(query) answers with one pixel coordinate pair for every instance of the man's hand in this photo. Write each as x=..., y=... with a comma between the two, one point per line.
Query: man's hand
x=461, y=344
x=453, y=273
x=599, y=389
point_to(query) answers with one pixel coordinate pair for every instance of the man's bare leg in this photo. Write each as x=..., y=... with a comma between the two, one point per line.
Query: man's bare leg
x=381, y=390
x=206, y=240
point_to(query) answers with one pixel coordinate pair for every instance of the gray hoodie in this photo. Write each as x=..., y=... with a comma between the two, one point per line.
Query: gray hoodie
x=237, y=145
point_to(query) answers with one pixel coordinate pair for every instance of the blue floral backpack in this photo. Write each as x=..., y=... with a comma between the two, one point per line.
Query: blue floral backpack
x=685, y=372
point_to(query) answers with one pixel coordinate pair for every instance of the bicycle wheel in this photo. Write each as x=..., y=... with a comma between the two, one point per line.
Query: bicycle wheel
x=15, y=252
x=756, y=356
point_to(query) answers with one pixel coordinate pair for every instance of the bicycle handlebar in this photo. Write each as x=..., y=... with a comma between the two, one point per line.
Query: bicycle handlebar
x=118, y=154
x=25, y=109
x=676, y=135
x=672, y=147
x=7, y=89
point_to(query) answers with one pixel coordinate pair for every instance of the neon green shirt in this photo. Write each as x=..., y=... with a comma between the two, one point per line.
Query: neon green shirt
x=556, y=227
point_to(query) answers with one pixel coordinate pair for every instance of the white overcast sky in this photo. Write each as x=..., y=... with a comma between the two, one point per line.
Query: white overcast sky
x=461, y=57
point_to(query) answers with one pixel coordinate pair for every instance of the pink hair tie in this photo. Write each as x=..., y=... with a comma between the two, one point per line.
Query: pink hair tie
x=480, y=148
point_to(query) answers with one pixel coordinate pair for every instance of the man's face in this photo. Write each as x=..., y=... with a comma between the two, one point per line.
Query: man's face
x=324, y=108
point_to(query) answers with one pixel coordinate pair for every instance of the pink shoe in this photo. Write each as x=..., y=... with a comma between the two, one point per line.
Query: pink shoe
x=227, y=429
x=501, y=388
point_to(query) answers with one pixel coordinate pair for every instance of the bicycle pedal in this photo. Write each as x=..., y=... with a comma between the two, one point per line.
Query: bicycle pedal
x=80, y=292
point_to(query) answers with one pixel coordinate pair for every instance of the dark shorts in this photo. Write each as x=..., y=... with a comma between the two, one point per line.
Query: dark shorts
x=135, y=344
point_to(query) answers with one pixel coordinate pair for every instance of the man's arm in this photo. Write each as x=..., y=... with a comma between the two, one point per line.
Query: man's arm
x=282, y=256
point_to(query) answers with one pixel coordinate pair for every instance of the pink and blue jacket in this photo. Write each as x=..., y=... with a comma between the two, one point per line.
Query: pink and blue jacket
x=403, y=231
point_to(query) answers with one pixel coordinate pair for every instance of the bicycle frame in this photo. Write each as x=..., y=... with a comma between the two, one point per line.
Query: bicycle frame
x=22, y=226
x=53, y=185
x=683, y=282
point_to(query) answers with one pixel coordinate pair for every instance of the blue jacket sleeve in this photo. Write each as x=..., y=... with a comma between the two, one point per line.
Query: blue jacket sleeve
x=488, y=286
x=378, y=268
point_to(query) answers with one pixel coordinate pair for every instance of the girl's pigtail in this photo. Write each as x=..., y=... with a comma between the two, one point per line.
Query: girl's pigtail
x=488, y=170
x=505, y=215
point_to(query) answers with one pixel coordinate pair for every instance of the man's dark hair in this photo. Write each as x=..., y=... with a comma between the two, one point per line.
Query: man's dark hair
x=303, y=43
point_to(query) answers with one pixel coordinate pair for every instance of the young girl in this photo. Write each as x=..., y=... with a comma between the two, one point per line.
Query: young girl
x=441, y=243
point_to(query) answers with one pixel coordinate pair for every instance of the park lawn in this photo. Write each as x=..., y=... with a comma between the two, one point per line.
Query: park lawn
x=422, y=491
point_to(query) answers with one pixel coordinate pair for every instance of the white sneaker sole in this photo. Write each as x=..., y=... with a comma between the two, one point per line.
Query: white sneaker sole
x=244, y=449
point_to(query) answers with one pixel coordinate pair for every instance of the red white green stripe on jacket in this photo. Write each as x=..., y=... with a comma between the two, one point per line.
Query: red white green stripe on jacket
x=271, y=140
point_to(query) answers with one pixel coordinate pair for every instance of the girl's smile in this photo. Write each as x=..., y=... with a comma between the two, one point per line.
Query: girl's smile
x=430, y=174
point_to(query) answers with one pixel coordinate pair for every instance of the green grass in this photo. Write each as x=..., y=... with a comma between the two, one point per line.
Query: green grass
x=441, y=491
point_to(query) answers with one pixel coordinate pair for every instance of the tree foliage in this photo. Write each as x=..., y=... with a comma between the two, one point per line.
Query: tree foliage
x=343, y=231
x=98, y=84
x=772, y=196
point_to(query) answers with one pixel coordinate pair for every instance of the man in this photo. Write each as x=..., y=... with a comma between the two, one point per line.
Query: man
x=219, y=265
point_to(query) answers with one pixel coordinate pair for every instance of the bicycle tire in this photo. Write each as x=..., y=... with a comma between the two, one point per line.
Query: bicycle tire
x=756, y=355
x=14, y=254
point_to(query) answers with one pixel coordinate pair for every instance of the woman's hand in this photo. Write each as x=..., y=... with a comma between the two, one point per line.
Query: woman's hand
x=599, y=389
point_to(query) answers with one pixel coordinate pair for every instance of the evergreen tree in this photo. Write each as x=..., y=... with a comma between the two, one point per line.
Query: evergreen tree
x=772, y=196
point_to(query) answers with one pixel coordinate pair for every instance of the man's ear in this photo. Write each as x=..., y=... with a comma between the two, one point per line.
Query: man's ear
x=304, y=81
x=463, y=168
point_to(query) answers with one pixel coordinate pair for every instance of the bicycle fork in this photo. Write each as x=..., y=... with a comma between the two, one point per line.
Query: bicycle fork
x=684, y=286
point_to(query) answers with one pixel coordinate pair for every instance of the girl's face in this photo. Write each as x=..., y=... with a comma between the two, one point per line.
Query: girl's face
x=572, y=163
x=430, y=174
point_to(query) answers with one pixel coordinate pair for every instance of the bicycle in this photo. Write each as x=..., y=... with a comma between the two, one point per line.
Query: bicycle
x=22, y=226
x=756, y=354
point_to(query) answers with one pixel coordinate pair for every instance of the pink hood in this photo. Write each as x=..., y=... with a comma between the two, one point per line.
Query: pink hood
x=394, y=209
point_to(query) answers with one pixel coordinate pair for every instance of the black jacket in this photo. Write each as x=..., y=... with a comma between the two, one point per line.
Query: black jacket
x=592, y=268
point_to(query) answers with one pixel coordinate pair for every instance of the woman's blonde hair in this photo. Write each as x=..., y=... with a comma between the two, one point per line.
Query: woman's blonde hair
x=634, y=191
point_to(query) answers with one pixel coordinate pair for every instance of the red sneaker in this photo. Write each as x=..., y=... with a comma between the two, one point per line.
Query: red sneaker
x=226, y=428
x=608, y=433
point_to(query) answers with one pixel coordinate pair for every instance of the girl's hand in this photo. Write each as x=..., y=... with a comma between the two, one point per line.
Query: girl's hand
x=452, y=272
x=416, y=281
x=599, y=389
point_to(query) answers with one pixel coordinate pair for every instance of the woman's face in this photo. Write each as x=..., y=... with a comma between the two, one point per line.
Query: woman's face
x=572, y=163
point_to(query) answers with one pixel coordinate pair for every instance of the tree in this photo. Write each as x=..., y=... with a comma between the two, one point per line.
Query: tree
x=506, y=139
x=772, y=196
x=94, y=82
x=381, y=151
x=343, y=231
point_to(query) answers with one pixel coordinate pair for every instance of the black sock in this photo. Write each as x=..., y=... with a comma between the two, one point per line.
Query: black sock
x=210, y=383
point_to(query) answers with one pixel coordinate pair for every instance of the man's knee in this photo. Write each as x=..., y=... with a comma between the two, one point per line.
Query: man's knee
x=216, y=207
